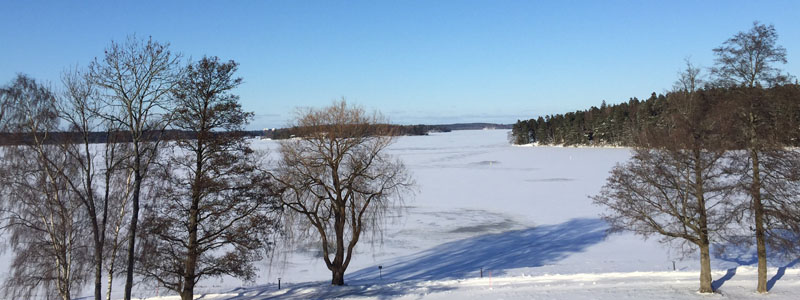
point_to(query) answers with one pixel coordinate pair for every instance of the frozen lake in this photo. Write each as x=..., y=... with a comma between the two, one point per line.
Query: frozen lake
x=520, y=214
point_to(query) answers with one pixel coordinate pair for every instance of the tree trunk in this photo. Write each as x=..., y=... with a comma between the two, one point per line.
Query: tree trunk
x=705, y=269
x=338, y=261
x=98, y=271
x=699, y=191
x=188, y=290
x=97, y=232
x=137, y=184
x=758, y=211
x=114, y=249
x=338, y=276
x=191, y=263
x=110, y=282
x=191, y=254
x=65, y=296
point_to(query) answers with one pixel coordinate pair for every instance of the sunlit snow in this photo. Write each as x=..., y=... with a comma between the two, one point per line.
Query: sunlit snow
x=520, y=216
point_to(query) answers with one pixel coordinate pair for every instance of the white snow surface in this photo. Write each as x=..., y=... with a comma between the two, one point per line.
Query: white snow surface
x=520, y=215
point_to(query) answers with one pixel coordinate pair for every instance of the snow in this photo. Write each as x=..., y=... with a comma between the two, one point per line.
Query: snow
x=522, y=216
x=629, y=285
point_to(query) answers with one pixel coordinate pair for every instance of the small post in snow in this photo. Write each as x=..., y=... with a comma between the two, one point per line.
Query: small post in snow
x=481, y=272
x=380, y=272
x=279, y=283
x=673, y=266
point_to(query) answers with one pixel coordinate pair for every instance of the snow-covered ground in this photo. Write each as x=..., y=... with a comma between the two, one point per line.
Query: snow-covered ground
x=613, y=286
x=520, y=215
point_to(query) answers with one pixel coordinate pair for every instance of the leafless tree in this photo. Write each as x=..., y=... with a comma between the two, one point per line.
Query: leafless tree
x=337, y=180
x=19, y=99
x=747, y=60
x=41, y=214
x=676, y=195
x=92, y=185
x=217, y=210
x=5, y=108
x=766, y=172
x=675, y=185
x=136, y=79
x=689, y=79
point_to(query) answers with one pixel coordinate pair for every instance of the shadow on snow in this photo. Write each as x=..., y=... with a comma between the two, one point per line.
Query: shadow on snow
x=531, y=247
x=781, y=271
x=745, y=255
x=495, y=253
x=323, y=290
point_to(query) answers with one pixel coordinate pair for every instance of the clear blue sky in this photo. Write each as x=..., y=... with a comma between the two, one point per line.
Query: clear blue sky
x=416, y=61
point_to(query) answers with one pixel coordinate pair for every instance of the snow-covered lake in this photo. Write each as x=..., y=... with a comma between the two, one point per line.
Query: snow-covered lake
x=521, y=215
x=475, y=188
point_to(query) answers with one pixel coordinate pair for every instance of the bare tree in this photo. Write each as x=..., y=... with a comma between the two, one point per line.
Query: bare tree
x=218, y=209
x=766, y=172
x=5, y=108
x=40, y=212
x=137, y=78
x=672, y=194
x=675, y=186
x=21, y=98
x=337, y=180
x=689, y=79
x=748, y=60
x=92, y=185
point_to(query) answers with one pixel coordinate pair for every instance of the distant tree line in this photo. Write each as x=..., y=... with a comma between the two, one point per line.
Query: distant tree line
x=385, y=129
x=101, y=137
x=390, y=129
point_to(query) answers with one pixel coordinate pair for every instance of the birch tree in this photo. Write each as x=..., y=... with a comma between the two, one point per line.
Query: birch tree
x=41, y=215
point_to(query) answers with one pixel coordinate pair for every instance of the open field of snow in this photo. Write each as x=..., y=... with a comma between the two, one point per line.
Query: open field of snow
x=520, y=214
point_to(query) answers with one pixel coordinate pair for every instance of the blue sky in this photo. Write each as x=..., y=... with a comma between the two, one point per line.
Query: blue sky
x=416, y=61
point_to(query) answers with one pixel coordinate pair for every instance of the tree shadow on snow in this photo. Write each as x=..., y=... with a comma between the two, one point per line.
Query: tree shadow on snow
x=781, y=271
x=532, y=247
x=745, y=255
x=323, y=290
x=716, y=284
